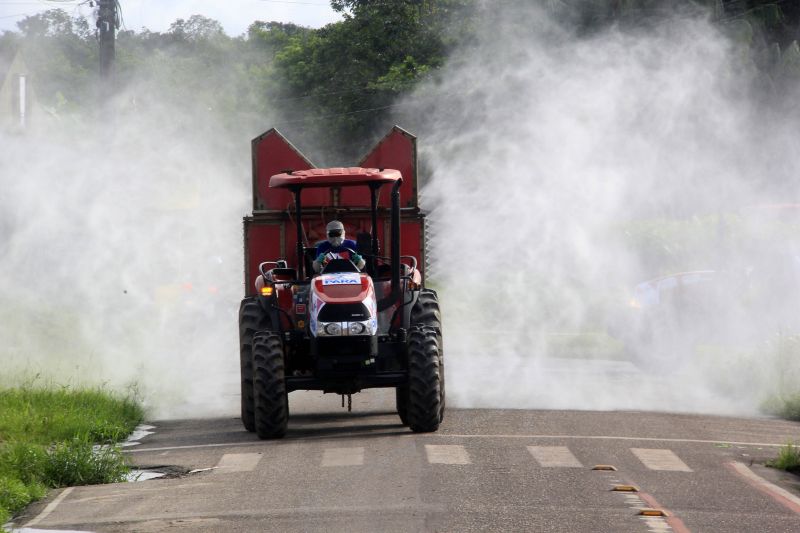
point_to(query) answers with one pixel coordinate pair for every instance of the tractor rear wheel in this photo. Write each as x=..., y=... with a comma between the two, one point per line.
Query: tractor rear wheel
x=251, y=319
x=424, y=380
x=426, y=312
x=269, y=386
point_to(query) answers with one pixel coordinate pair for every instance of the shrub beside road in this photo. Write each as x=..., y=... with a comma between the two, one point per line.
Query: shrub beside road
x=788, y=459
x=54, y=437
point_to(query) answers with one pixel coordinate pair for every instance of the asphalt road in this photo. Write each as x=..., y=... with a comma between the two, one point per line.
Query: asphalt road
x=485, y=470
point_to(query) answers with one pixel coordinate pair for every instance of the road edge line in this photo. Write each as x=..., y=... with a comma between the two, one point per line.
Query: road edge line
x=780, y=495
x=50, y=508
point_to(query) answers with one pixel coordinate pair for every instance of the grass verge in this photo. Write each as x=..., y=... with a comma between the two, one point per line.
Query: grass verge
x=785, y=406
x=788, y=459
x=49, y=438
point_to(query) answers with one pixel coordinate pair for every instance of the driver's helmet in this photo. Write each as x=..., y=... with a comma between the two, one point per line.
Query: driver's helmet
x=335, y=231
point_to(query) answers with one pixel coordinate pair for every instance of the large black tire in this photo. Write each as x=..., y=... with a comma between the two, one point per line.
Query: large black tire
x=251, y=319
x=269, y=386
x=401, y=399
x=424, y=380
x=426, y=310
x=426, y=313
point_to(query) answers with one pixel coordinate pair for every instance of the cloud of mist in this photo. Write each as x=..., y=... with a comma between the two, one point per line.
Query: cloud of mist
x=120, y=251
x=544, y=149
x=120, y=236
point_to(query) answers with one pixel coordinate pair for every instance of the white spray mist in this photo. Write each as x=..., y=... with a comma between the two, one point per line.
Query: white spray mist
x=543, y=146
x=121, y=255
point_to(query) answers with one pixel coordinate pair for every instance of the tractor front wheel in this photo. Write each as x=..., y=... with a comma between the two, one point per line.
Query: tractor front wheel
x=251, y=319
x=424, y=410
x=269, y=386
x=426, y=312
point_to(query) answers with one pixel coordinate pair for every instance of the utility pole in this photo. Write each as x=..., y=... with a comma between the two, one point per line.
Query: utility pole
x=106, y=34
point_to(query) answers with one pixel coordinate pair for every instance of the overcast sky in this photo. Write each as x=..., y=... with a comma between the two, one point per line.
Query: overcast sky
x=157, y=15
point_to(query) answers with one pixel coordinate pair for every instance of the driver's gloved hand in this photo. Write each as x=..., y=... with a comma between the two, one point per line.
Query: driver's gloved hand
x=322, y=259
x=355, y=258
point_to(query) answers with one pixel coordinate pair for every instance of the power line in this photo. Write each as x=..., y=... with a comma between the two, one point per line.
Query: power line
x=44, y=3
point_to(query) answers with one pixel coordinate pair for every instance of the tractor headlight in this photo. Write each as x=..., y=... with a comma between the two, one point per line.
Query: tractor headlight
x=356, y=328
x=333, y=329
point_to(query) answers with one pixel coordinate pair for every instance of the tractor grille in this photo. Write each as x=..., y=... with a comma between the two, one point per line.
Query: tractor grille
x=343, y=346
x=343, y=313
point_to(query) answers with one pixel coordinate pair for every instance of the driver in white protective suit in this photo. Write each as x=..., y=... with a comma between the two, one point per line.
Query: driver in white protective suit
x=336, y=247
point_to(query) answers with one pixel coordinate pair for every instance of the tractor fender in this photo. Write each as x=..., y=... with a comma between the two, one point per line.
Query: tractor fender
x=408, y=307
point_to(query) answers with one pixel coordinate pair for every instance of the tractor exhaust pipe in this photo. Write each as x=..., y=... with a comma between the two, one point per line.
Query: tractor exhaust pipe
x=298, y=213
x=396, y=239
x=394, y=292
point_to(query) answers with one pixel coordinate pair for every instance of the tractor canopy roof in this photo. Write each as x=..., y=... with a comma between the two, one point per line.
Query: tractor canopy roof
x=335, y=177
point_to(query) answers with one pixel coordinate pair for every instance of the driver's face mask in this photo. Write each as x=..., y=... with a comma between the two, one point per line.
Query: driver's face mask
x=336, y=237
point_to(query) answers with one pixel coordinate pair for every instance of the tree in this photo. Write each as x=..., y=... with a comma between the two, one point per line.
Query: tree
x=346, y=76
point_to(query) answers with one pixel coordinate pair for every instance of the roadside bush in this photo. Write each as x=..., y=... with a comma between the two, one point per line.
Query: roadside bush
x=15, y=495
x=56, y=437
x=47, y=415
x=784, y=406
x=27, y=462
x=783, y=360
x=788, y=459
x=80, y=463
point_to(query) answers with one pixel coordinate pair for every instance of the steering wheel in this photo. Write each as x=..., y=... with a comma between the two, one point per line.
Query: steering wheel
x=339, y=264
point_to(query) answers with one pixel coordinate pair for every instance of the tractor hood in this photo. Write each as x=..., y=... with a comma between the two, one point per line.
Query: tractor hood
x=345, y=287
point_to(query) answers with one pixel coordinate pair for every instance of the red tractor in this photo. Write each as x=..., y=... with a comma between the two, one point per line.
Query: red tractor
x=341, y=330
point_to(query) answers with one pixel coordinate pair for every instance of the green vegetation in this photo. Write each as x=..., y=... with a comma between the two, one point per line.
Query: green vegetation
x=586, y=345
x=785, y=406
x=55, y=437
x=783, y=352
x=788, y=459
x=339, y=84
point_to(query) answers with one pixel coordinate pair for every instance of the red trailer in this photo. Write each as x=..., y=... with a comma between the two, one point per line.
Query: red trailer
x=270, y=231
x=341, y=330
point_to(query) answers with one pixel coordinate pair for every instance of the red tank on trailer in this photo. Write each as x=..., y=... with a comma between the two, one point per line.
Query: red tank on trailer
x=270, y=231
x=351, y=325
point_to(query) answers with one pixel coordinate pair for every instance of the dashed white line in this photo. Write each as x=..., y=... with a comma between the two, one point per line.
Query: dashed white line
x=660, y=459
x=343, y=457
x=238, y=462
x=447, y=454
x=554, y=456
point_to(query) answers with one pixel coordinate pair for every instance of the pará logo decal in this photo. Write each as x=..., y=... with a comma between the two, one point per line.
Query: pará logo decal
x=342, y=279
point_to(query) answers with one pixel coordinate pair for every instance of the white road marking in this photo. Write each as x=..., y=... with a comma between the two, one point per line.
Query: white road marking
x=343, y=457
x=50, y=508
x=664, y=460
x=600, y=437
x=482, y=436
x=786, y=498
x=554, y=456
x=656, y=524
x=447, y=454
x=140, y=432
x=238, y=462
x=34, y=530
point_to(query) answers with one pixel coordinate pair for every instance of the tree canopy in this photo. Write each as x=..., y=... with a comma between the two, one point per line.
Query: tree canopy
x=348, y=74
